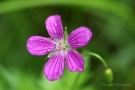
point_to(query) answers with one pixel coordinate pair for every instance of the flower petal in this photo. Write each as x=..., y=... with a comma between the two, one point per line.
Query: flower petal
x=74, y=61
x=79, y=37
x=54, y=27
x=37, y=45
x=54, y=67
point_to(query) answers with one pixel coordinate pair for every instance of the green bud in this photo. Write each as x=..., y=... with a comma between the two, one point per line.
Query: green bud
x=65, y=28
x=109, y=75
x=65, y=34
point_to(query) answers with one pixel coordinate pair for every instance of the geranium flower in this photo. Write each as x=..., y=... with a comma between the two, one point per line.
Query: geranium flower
x=63, y=48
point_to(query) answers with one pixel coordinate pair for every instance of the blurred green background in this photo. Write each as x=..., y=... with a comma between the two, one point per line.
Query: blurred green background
x=111, y=21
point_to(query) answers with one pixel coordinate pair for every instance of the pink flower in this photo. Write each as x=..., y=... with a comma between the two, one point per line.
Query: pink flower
x=63, y=48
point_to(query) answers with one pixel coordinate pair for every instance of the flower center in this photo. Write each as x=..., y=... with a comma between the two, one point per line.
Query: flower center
x=61, y=46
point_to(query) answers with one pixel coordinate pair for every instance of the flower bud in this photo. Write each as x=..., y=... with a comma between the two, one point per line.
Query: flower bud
x=109, y=75
x=65, y=34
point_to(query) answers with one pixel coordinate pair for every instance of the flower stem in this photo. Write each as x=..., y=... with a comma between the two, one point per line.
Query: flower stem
x=99, y=57
x=74, y=83
x=108, y=71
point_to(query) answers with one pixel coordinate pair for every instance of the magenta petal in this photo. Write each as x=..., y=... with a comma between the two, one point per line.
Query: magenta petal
x=54, y=67
x=54, y=27
x=37, y=45
x=74, y=61
x=79, y=37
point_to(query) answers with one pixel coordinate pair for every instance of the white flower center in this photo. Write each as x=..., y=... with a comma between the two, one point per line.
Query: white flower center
x=59, y=47
x=62, y=46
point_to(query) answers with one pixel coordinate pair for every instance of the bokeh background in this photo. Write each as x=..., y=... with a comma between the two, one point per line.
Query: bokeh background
x=111, y=21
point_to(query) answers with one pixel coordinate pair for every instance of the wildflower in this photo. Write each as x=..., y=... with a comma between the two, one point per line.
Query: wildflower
x=62, y=48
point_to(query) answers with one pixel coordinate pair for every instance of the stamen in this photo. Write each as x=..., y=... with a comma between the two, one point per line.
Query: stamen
x=59, y=47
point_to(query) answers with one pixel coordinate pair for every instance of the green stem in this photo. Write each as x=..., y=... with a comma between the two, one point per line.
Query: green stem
x=76, y=80
x=74, y=84
x=99, y=57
